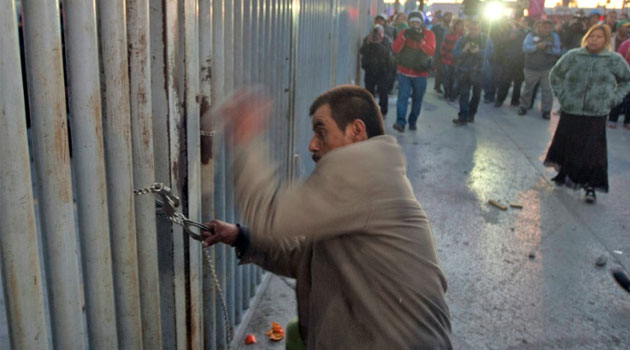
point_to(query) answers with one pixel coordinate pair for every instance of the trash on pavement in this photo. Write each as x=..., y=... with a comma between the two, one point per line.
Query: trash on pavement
x=617, y=252
x=497, y=204
x=516, y=205
x=250, y=339
x=276, y=333
x=601, y=261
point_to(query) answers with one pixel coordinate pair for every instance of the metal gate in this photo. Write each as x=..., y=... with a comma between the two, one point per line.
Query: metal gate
x=114, y=96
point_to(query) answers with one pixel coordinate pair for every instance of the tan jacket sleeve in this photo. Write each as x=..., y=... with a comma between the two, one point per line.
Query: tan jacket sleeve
x=328, y=203
x=281, y=257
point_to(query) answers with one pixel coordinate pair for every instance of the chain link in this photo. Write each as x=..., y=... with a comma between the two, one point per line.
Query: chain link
x=180, y=219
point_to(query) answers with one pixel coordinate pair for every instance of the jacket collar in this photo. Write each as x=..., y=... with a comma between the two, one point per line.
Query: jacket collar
x=583, y=51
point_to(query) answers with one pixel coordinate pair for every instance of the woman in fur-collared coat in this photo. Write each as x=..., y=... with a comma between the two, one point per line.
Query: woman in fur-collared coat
x=588, y=82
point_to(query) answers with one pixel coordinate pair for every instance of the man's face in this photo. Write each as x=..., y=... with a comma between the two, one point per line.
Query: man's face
x=611, y=17
x=474, y=29
x=545, y=29
x=415, y=24
x=326, y=134
x=380, y=21
x=447, y=18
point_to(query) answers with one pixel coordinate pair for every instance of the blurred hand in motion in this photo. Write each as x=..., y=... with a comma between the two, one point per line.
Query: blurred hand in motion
x=220, y=231
x=245, y=114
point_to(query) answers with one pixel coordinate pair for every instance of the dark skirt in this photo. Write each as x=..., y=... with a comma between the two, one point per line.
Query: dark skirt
x=578, y=151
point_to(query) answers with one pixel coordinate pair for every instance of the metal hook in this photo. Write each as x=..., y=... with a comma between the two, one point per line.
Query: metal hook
x=197, y=236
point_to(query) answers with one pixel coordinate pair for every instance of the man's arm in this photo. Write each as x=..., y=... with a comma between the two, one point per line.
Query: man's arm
x=428, y=43
x=459, y=47
x=327, y=204
x=281, y=257
x=528, y=44
x=400, y=41
x=557, y=45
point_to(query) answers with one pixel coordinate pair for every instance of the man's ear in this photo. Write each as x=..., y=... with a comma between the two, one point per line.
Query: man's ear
x=358, y=130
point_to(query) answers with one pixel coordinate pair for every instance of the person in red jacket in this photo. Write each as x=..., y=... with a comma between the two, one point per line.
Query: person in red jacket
x=414, y=48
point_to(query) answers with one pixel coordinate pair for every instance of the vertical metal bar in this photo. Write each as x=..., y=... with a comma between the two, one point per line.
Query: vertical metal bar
x=218, y=90
x=255, y=78
x=159, y=103
x=193, y=181
x=229, y=204
x=89, y=154
x=238, y=82
x=117, y=136
x=138, y=35
x=247, y=66
x=207, y=167
x=19, y=247
x=177, y=162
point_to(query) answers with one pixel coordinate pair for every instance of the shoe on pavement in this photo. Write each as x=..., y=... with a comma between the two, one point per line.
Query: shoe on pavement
x=521, y=111
x=413, y=127
x=398, y=127
x=459, y=122
x=546, y=115
x=498, y=104
x=589, y=196
x=471, y=118
x=622, y=279
x=612, y=125
x=515, y=103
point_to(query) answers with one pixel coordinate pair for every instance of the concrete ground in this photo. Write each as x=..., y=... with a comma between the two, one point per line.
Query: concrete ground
x=521, y=278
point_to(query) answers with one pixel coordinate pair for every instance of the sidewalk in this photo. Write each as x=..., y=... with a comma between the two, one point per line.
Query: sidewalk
x=518, y=279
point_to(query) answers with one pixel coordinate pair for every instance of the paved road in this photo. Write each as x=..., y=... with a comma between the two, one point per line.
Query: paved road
x=500, y=298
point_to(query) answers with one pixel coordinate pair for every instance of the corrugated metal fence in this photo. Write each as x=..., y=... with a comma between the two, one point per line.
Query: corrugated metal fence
x=85, y=263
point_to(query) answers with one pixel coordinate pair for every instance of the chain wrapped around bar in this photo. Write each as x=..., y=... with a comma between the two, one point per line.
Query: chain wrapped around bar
x=182, y=220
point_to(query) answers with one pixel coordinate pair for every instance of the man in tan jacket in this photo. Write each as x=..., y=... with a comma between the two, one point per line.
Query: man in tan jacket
x=352, y=234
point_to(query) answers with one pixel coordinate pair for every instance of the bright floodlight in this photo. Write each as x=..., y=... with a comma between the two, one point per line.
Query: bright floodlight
x=494, y=10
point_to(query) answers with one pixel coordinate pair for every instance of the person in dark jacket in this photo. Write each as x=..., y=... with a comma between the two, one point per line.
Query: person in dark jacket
x=414, y=48
x=472, y=52
x=381, y=19
x=448, y=61
x=440, y=29
x=377, y=61
x=512, y=61
x=542, y=49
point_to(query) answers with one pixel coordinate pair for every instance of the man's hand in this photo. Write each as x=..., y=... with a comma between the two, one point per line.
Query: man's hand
x=224, y=232
x=541, y=46
x=245, y=115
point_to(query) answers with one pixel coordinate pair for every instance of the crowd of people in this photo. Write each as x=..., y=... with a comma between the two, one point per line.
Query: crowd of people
x=583, y=62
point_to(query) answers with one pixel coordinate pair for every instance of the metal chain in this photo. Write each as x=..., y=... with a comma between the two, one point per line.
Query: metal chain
x=179, y=219
x=215, y=278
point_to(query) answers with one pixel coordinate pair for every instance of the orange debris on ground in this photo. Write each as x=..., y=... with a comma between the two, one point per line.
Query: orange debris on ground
x=276, y=333
x=250, y=339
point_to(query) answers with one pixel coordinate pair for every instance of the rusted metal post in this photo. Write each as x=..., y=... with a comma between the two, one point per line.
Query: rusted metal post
x=117, y=136
x=207, y=167
x=246, y=79
x=88, y=151
x=237, y=82
x=18, y=236
x=218, y=91
x=138, y=35
x=191, y=59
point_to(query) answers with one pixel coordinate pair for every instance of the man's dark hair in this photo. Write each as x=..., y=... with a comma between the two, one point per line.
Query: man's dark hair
x=348, y=103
